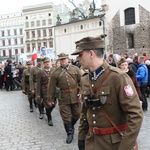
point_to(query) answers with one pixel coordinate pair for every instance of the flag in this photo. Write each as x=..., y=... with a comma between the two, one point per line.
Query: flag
x=34, y=56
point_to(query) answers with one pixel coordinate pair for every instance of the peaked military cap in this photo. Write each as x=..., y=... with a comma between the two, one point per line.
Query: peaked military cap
x=45, y=59
x=29, y=62
x=89, y=43
x=39, y=60
x=62, y=56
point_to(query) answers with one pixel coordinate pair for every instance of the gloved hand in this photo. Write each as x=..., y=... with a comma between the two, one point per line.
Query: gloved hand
x=81, y=145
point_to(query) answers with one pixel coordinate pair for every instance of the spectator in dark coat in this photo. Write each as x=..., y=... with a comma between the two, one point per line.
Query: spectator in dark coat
x=8, y=74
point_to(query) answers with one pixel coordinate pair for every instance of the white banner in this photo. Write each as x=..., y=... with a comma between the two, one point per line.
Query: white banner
x=47, y=52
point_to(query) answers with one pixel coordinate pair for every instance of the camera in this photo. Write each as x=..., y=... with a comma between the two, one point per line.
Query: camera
x=91, y=100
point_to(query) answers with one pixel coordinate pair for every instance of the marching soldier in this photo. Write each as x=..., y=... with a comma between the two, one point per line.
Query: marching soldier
x=66, y=78
x=111, y=116
x=43, y=77
x=33, y=84
x=26, y=85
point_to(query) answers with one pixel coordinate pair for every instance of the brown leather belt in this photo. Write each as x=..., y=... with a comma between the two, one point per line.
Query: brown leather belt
x=69, y=90
x=45, y=85
x=104, y=131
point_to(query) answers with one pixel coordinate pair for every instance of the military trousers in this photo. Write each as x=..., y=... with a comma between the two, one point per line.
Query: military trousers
x=69, y=112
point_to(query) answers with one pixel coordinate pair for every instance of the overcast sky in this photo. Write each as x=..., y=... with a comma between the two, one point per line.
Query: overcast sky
x=11, y=6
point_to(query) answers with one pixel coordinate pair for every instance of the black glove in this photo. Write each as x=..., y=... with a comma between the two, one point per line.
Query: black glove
x=81, y=145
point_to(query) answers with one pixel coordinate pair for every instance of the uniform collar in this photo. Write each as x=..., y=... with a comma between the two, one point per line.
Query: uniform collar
x=47, y=69
x=99, y=71
x=64, y=68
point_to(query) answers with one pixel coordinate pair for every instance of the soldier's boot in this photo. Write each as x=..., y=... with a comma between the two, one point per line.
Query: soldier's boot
x=73, y=123
x=69, y=130
x=31, y=104
x=40, y=111
x=49, y=116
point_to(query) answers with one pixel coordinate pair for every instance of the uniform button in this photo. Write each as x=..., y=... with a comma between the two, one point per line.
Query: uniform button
x=84, y=119
x=93, y=115
x=102, y=92
x=94, y=122
x=92, y=85
x=93, y=108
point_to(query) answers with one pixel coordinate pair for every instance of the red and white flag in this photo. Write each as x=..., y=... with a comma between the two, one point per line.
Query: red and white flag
x=34, y=56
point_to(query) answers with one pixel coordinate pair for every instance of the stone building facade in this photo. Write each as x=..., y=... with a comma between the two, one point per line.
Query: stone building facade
x=127, y=25
x=134, y=38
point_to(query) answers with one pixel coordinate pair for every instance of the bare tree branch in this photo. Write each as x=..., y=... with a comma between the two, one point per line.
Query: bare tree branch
x=77, y=9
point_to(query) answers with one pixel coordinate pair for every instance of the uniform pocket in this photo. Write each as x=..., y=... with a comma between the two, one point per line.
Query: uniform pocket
x=103, y=94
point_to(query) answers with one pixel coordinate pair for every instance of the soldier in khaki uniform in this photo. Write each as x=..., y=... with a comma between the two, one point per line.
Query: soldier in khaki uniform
x=33, y=84
x=43, y=77
x=67, y=78
x=26, y=85
x=111, y=115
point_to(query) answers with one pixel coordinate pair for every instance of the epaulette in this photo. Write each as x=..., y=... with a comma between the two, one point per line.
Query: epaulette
x=115, y=69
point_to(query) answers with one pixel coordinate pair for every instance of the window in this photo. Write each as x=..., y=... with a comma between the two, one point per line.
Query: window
x=28, y=47
x=39, y=46
x=44, y=33
x=27, y=35
x=22, y=50
x=33, y=34
x=21, y=41
x=15, y=41
x=130, y=38
x=16, y=51
x=8, y=32
x=26, y=17
x=15, y=32
x=49, y=21
x=51, y=43
x=3, y=42
x=33, y=46
x=27, y=24
x=45, y=44
x=9, y=42
x=37, y=23
x=39, y=33
x=32, y=24
x=10, y=54
x=49, y=14
x=20, y=31
x=129, y=16
x=3, y=34
x=50, y=32
x=4, y=53
x=43, y=22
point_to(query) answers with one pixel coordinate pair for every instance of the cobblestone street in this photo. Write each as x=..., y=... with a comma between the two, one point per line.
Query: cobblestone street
x=23, y=130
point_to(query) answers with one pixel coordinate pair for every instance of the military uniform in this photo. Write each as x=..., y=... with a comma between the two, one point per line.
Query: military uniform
x=111, y=114
x=42, y=84
x=33, y=84
x=26, y=85
x=67, y=79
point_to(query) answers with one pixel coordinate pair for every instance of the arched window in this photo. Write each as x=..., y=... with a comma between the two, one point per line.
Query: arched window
x=129, y=16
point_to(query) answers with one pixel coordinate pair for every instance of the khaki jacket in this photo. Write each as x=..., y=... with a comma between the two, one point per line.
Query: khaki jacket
x=33, y=77
x=25, y=79
x=43, y=78
x=122, y=107
x=68, y=82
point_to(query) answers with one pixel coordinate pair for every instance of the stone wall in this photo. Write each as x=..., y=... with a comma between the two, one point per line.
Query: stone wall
x=141, y=33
